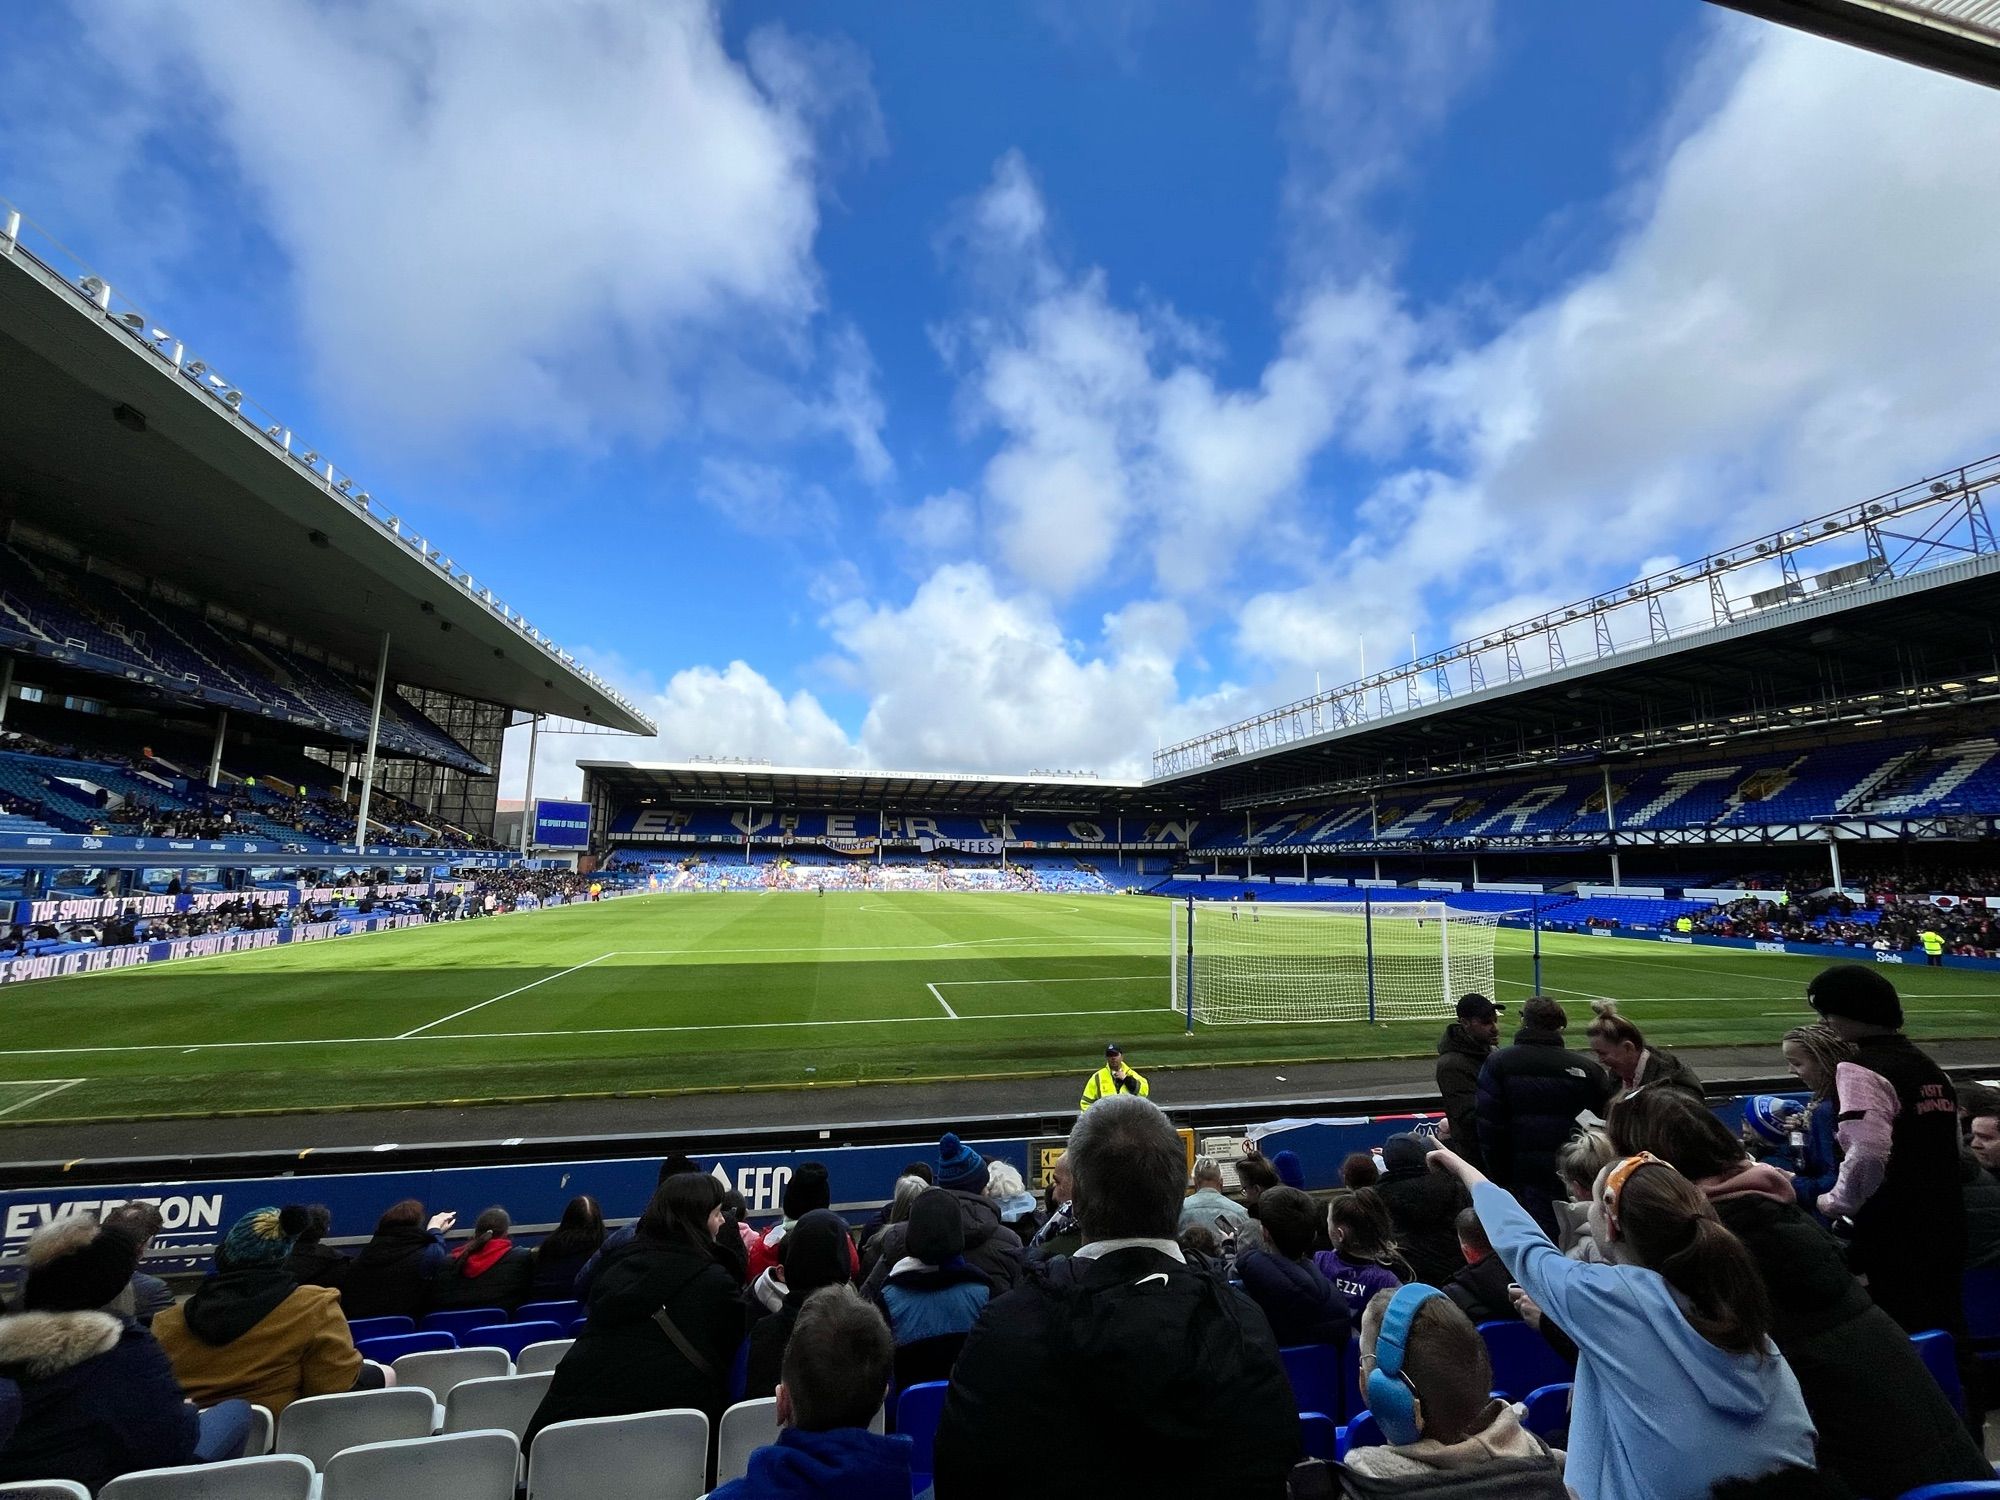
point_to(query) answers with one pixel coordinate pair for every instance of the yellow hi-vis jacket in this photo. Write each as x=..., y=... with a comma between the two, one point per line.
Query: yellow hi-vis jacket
x=1933, y=944
x=1102, y=1086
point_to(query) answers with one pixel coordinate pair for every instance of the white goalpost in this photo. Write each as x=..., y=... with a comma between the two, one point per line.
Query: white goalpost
x=1298, y=962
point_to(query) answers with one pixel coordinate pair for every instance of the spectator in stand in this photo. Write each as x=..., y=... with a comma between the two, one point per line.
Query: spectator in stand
x=576, y=1237
x=1582, y=1157
x=1530, y=1095
x=1123, y=1351
x=487, y=1270
x=150, y=1295
x=312, y=1262
x=1480, y=1285
x=1974, y=1100
x=672, y=1165
x=807, y=1190
x=1302, y=1305
x=96, y=1396
x=1364, y=1259
x=252, y=1333
x=1214, y=1210
x=991, y=1248
x=1621, y=1047
x=1429, y=1384
x=1898, y=1188
x=1983, y=1137
x=1011, y=1197
x=1255, y=1176
x=665, y=1316
x=1423, y=1209
x=918, y=1169
x=815, y=1254
x=932, y=1297
x=1462, y=1052
x=1358, y=1169
x=391, y=1277
x=1814, y=1055
x=897, y=1211
x=1981, y=1194
x=1060, y=1234
x=1678, y=1384
x=1883, y=1428
x=1291, y=1171
x=836, y=1373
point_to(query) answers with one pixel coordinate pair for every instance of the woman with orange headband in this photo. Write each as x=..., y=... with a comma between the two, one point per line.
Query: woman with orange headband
x=1678, y=1384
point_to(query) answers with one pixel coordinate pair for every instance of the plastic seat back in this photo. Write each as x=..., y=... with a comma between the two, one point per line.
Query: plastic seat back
x=44, y=1489
x=375, y=1328
x=438, y=1372
x=387, y=1348
x=564, y=1311
x=1314, y=1371
x=1940, y=1357
x=1319, y=1435
x=1548, y=1413
x=457, y=1319
x=656, y=1455
x=503, y=1402
x=1522, y=1361
x=1982, y=1306
x=1362, y=1432
x=462, y=1465
x=317, y=1427
x=746, y=1427
x=272, y=1476
x=918, y=1411
x=512, y=1337
x=543, y=1356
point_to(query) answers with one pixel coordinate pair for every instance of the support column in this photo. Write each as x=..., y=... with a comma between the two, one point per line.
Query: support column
x=528, y=786
x=1121, y=840
x=1305, y=873
x=1615, y=880
x=6, y=685
x=1833, y=849
x=1611, y=827
x=215, y=755
x=1475, y=870
x=374, y=734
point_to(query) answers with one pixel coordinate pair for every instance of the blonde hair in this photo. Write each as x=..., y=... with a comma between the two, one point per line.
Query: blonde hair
x=1002, y=1181
x=1583, y=1156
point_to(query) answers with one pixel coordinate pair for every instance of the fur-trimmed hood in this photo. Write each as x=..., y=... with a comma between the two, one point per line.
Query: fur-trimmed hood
x=42, y=1345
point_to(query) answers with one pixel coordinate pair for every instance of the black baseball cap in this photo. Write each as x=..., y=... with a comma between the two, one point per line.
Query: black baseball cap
x=1478, y=1008
x=1111, y=1050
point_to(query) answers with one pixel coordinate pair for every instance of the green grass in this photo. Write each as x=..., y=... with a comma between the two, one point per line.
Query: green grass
x=674, y=992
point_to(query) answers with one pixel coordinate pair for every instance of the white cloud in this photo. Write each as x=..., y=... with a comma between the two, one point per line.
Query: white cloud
x=935, y=527
x=506, y=216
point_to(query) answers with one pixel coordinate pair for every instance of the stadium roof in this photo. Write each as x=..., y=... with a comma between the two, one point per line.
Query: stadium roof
x=1959, y=37
x=742, y=782
x=115, y=438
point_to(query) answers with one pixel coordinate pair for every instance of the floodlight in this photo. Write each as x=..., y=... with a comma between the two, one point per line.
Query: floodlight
x=132, y=321
x=363, y=498
x=309, y=458
x=344, y=486
x=274, y=432
x=232, y=399
x=196, y=369
x=1939, y=487
x=93, y=286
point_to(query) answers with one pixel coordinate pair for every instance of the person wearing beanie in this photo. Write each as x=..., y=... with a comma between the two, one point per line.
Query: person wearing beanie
x=807, y=1191
x=251, y=1332
x=1423, y=1209
x=97, y=1396
x=1291, y=1171
x=818, y=1252
x=990, y=1247
x=932, y=1297
x=1897, y=1198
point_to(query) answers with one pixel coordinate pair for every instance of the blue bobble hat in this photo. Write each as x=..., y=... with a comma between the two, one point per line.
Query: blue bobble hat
x=960, y=1168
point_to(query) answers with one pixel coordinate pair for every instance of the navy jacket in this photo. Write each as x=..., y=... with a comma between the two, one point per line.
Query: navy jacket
x=848, y=1463
x=98, y=1399
x=1302, y=1305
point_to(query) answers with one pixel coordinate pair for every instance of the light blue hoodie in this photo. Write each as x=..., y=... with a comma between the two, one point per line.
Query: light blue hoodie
x=1659, y=1412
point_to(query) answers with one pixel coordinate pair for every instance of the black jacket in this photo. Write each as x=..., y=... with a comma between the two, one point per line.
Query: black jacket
x=1529, y=1097
x=1883, y=1427
x=1124, y=1367
x=1302, y=1305
x=1460, y=1057
x=1424, y=1206
x=991, y=1248
x=1664, y=1070
x=391, y=1276
x=624, y=1362
x=1481, y=1292
x=504, y=1283
x=554, y=1276
x=1981, y=1194
x=317, y=1265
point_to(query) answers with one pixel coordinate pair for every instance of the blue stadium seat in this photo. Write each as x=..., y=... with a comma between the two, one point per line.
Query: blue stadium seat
x=1966, y=1487
x=459, y=1318
x=513, y=1337
x=1982, y=1311
x=918, y=1410
x=390, y=1347
x=1940, y=1357
x=372, y=1328
x=562, y=1311
x=1319, y=1435
x=1548, y=1412
x=1522, y=1362
x=1362, y=1432
x=1314, y=1371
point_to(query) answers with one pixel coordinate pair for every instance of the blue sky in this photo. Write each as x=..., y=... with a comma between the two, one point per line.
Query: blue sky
x=979, y=387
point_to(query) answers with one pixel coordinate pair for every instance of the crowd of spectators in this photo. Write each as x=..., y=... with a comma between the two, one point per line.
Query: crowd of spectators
x=1736, y=1309
x=1888, y=925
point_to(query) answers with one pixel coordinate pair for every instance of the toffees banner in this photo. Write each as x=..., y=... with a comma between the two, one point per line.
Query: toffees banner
x=561, y=825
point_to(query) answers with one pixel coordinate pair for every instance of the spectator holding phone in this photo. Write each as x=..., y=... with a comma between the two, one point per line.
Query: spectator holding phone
x=391, y=1277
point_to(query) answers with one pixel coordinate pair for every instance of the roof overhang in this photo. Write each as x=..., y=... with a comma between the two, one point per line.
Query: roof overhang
x=741, y=783
x=1959, y=37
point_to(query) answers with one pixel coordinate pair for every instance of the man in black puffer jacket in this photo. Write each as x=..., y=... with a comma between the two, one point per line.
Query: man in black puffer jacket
x=1529, y=1097
x=1136, y=1367
x=1462, y=1052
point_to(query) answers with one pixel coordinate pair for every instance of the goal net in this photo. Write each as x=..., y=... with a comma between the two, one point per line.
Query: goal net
x=1298, y=961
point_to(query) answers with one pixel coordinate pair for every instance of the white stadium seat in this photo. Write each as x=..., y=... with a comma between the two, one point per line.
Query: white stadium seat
x=543, y=1356
x=746, y=1427
x=458, y=1465
x=272, y=1476
x=656, y=1455
x=318, y=1427
x=507, y=1402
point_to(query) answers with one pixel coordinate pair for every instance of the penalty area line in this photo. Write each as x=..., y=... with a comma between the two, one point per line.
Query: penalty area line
x=942, y=1001
x=57, y=1085
x=419, y=1030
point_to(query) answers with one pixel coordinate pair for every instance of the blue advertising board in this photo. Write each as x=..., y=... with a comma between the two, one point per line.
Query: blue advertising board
x=561, y=825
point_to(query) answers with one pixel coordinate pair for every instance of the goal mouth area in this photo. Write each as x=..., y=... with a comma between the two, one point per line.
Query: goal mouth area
x=1319, y=962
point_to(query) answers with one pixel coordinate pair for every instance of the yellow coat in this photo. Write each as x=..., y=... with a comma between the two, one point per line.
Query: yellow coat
x=300, y=1348
x=1102, y=1086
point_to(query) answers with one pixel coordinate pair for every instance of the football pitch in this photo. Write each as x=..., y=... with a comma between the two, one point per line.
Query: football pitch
x=663, y=993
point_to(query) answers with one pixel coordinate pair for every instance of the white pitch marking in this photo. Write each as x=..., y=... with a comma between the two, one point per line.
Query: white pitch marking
x=508, y=996
x=942, y=1001
x=1051, y=941
x=59, y=1084
x=1078, y=979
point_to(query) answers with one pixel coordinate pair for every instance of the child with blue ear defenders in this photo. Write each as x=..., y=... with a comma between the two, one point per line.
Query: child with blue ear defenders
x=1428, y=1380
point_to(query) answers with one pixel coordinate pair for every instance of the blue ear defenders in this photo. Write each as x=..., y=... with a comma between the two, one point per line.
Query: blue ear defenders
x=1391, y=1397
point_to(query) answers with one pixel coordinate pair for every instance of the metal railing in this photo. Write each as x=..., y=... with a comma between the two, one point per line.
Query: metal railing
x=90, y=294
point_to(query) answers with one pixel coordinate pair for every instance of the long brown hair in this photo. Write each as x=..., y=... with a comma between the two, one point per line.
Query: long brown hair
x=1370, y=1234
x=1671, y=1228
x=1679, y=1129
